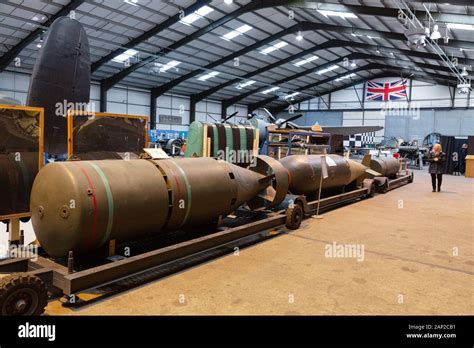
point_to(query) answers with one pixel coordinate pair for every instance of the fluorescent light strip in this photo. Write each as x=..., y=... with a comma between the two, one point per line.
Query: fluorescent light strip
x=239, y=31
x=291, y=95
x=169, y=65
x=131, y=2
x=125, y=56
x=337, y=14
x=307, y=60
x=345, y=77
x=331, y=68
x=274, y=47
x=245, y=84
x=460, y=26
x=193, y=17
x=208, y=76
x=367, y=36
x=270, y=90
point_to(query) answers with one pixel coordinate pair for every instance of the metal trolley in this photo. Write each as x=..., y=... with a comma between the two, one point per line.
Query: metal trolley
x=31, y=280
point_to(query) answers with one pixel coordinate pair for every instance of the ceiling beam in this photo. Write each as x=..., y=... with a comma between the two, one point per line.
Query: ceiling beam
x=148, y=34
x=237, y=98
x=261, y=103
x=9, y=56
x=251, y=6
x=451, y=2
x=446, y=17
x=302, y=26
x=280, y=108
x=353, y=56
x=325, y=45
x=310, y=26
x=157, y=91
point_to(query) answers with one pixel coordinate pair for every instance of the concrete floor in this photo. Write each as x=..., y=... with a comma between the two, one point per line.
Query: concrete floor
x=418, y=259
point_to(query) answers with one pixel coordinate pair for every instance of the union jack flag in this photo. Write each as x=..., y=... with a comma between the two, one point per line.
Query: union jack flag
x=386, y=91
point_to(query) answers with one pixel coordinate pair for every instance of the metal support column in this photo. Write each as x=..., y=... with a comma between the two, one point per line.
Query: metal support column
x=152, y=111
x=103, y=98
x=192, y=109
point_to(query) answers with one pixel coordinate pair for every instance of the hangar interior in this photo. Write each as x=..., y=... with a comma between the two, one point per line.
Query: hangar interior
x=399, y=70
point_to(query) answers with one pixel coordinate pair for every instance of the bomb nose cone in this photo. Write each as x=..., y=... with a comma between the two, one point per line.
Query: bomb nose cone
x=357, y=169
x=248, y=184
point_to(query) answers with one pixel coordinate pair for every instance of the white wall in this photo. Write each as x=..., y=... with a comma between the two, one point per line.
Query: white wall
x=132, y=101
x=14, y=85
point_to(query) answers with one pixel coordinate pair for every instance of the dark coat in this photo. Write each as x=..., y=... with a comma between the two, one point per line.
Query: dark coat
x=436, y=167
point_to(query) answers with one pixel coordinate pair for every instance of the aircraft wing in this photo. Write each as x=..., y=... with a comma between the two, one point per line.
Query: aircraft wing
x=350, y=130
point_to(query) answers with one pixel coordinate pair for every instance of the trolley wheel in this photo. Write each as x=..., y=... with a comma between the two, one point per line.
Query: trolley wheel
x=372, y=190
x=22, y=294
x=382, y=186
x=410, y=179
x=294, y=216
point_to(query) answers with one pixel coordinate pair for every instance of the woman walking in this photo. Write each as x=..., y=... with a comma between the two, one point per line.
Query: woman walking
x=436, y=159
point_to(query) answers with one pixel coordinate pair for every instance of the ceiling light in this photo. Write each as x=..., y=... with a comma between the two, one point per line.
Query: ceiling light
x=270, y=90
x=239, y=31
x=131, y=2
x=368, y=36
x=460, y=26
x=435, y=35
x=378, y=51
x=202, y=12
x=299, y=37
x=38, y=18
x=353, y=64
x=464, y=72
x=228, y=2
x=169, y=65
x=307, y=60
x=323, y=71
x=274, y=47
x=125, y=56
x=245, y=84
x=337, y=14
x=345, y=77
x=291, y=95
x=39, y=45
x=208, y=76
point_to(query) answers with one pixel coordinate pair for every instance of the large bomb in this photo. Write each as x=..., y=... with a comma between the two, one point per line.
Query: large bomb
x=386, y=166
x=305, y=172
x=80, y=205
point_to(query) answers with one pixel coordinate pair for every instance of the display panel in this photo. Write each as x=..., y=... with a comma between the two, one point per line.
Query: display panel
x=98, y=135
x=21, y=157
